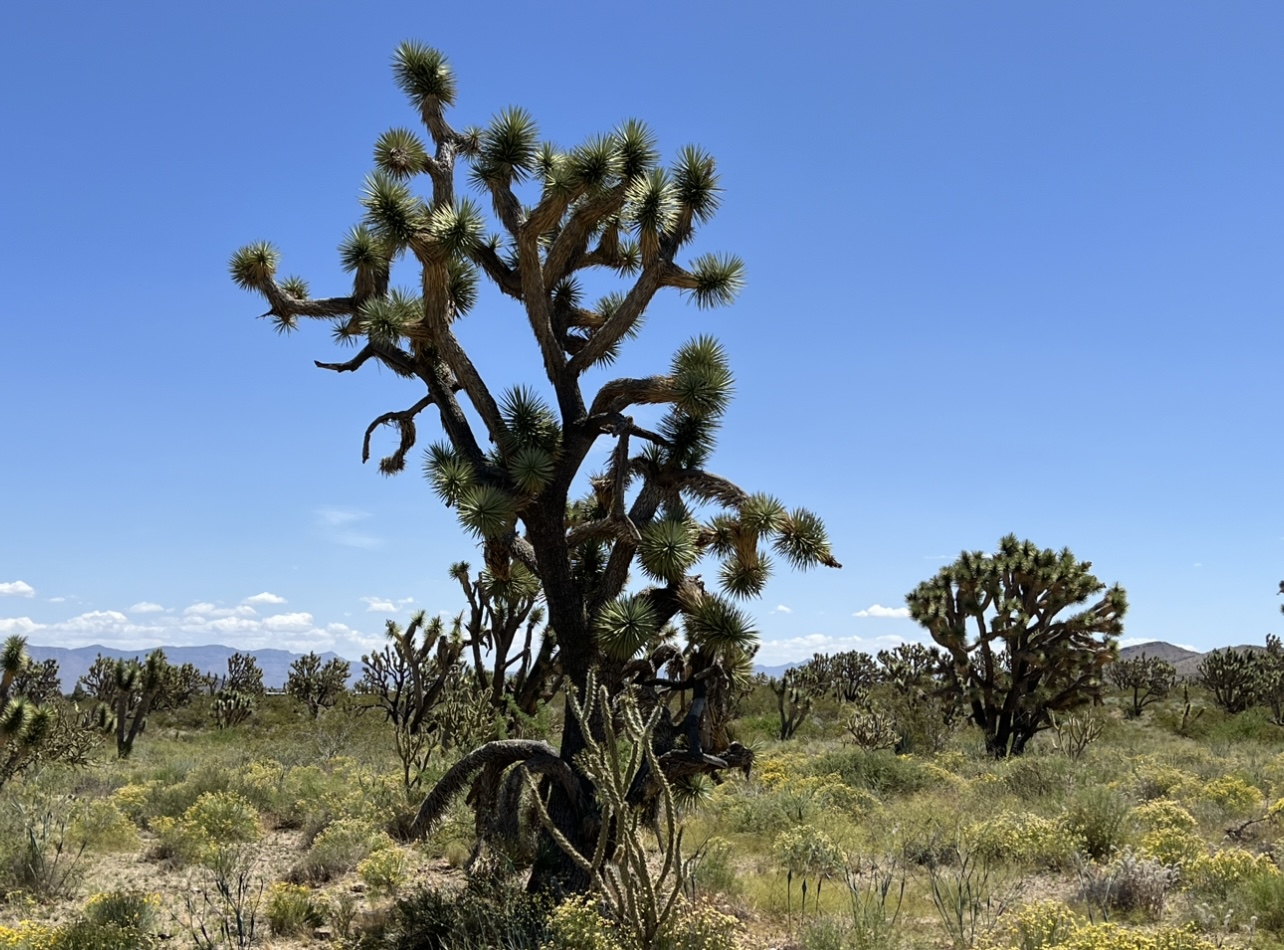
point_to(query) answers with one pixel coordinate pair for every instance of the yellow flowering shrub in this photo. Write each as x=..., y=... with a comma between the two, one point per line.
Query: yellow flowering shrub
x=215, y=821
x=1163, y=813
x=699, y=927
x=1172, y=847
x=1023, y=838
x=1218, y=874
x=28, y=936
x=1230, y=793
x=1115, y=937
x=292, y=910
x=385, y=871
x=133, y=800
x=576, y=924
x=1038, y=926
x=1152, y=779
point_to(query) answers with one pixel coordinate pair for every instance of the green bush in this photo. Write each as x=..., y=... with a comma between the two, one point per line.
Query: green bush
x=291, y=910
x=1099, y=818
x=128, y=910
x=884, y=773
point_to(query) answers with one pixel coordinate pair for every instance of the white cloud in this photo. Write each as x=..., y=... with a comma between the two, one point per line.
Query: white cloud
x=386, y=605
x=19, y=625
x=878, y=610
x=57, y=600
x=93, y=620
x=288, y=622
x=209, y=610
x=146, y=607
x=16, y=589
x=797, y=649
x=782, y=609
x=264, y=598
x=335, y=522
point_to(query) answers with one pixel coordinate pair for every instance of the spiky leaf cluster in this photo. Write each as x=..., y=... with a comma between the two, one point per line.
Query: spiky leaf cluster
x=1236, y=678
x=316, y=684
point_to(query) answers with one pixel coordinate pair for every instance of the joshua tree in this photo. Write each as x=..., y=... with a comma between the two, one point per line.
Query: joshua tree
x=243, y=676
x=604, y=210
x=127, y=691
x=1022, y=659
x=499, y=612
x=795, y=693
x=1236, y=678
x=315, y=684
x=846, y=676
x=1149, y=679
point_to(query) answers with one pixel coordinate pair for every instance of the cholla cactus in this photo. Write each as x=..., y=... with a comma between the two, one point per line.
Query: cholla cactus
x=1015, y=657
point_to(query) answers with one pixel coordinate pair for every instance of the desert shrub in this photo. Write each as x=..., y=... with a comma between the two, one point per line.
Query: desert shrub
x=343, y=845
x=291, y=910
x=577, y=924
x=1163, y=814
x=1172, y=847
x=1153, y=780
x=134, y=799
x=1216, y=875
x=484, y=915
x=128, y=910
x=1042, y=925
x=1231, y=794
x=1128, y=883
x=711, y=869
x=1098, y=817
x=699, y=927
x=1115, y=937
x=1023, y=838
x=102, y=826
x=173, y=799
x=1262, y=896
x=881, y=772
x=385, y=871
x=213, y=823
x=88, y=935
x=1033, y=777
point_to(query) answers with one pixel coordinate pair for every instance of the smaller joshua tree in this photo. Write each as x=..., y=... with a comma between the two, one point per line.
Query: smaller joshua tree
x=1015, y=656
x=1234, y=677
x=1148, y=679
x=127, y=691
x=315, y=684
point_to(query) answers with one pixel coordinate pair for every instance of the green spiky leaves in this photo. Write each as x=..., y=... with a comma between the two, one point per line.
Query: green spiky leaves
x=488, y=511
x=448, y=473
x=718, y=279
x=457, y=228
x=531, y=468
x=529, y=420
x=508, y=148
x=625, y=625
x=702, y=379
x=392, y=210
x=400, y=153
x=13, y=718
x=386, y=318
x=695, y=177
x=424, y=75
x=13, y=656
x=637, y=151
x=253, y=267
x=668, y=549
x=803, y=541
x=716, y=625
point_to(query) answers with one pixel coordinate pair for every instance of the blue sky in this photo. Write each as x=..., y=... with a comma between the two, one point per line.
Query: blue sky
x=1012, y=267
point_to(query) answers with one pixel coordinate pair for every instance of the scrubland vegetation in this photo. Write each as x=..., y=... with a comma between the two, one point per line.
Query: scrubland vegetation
x=883, y=821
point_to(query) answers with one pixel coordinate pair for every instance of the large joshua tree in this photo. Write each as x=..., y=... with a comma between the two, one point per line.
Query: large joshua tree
x=606, y=211
x=1015, y=655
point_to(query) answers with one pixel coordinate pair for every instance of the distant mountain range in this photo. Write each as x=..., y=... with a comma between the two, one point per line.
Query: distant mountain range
x=275, y=664
x=75, y=663
x=1185, y=662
